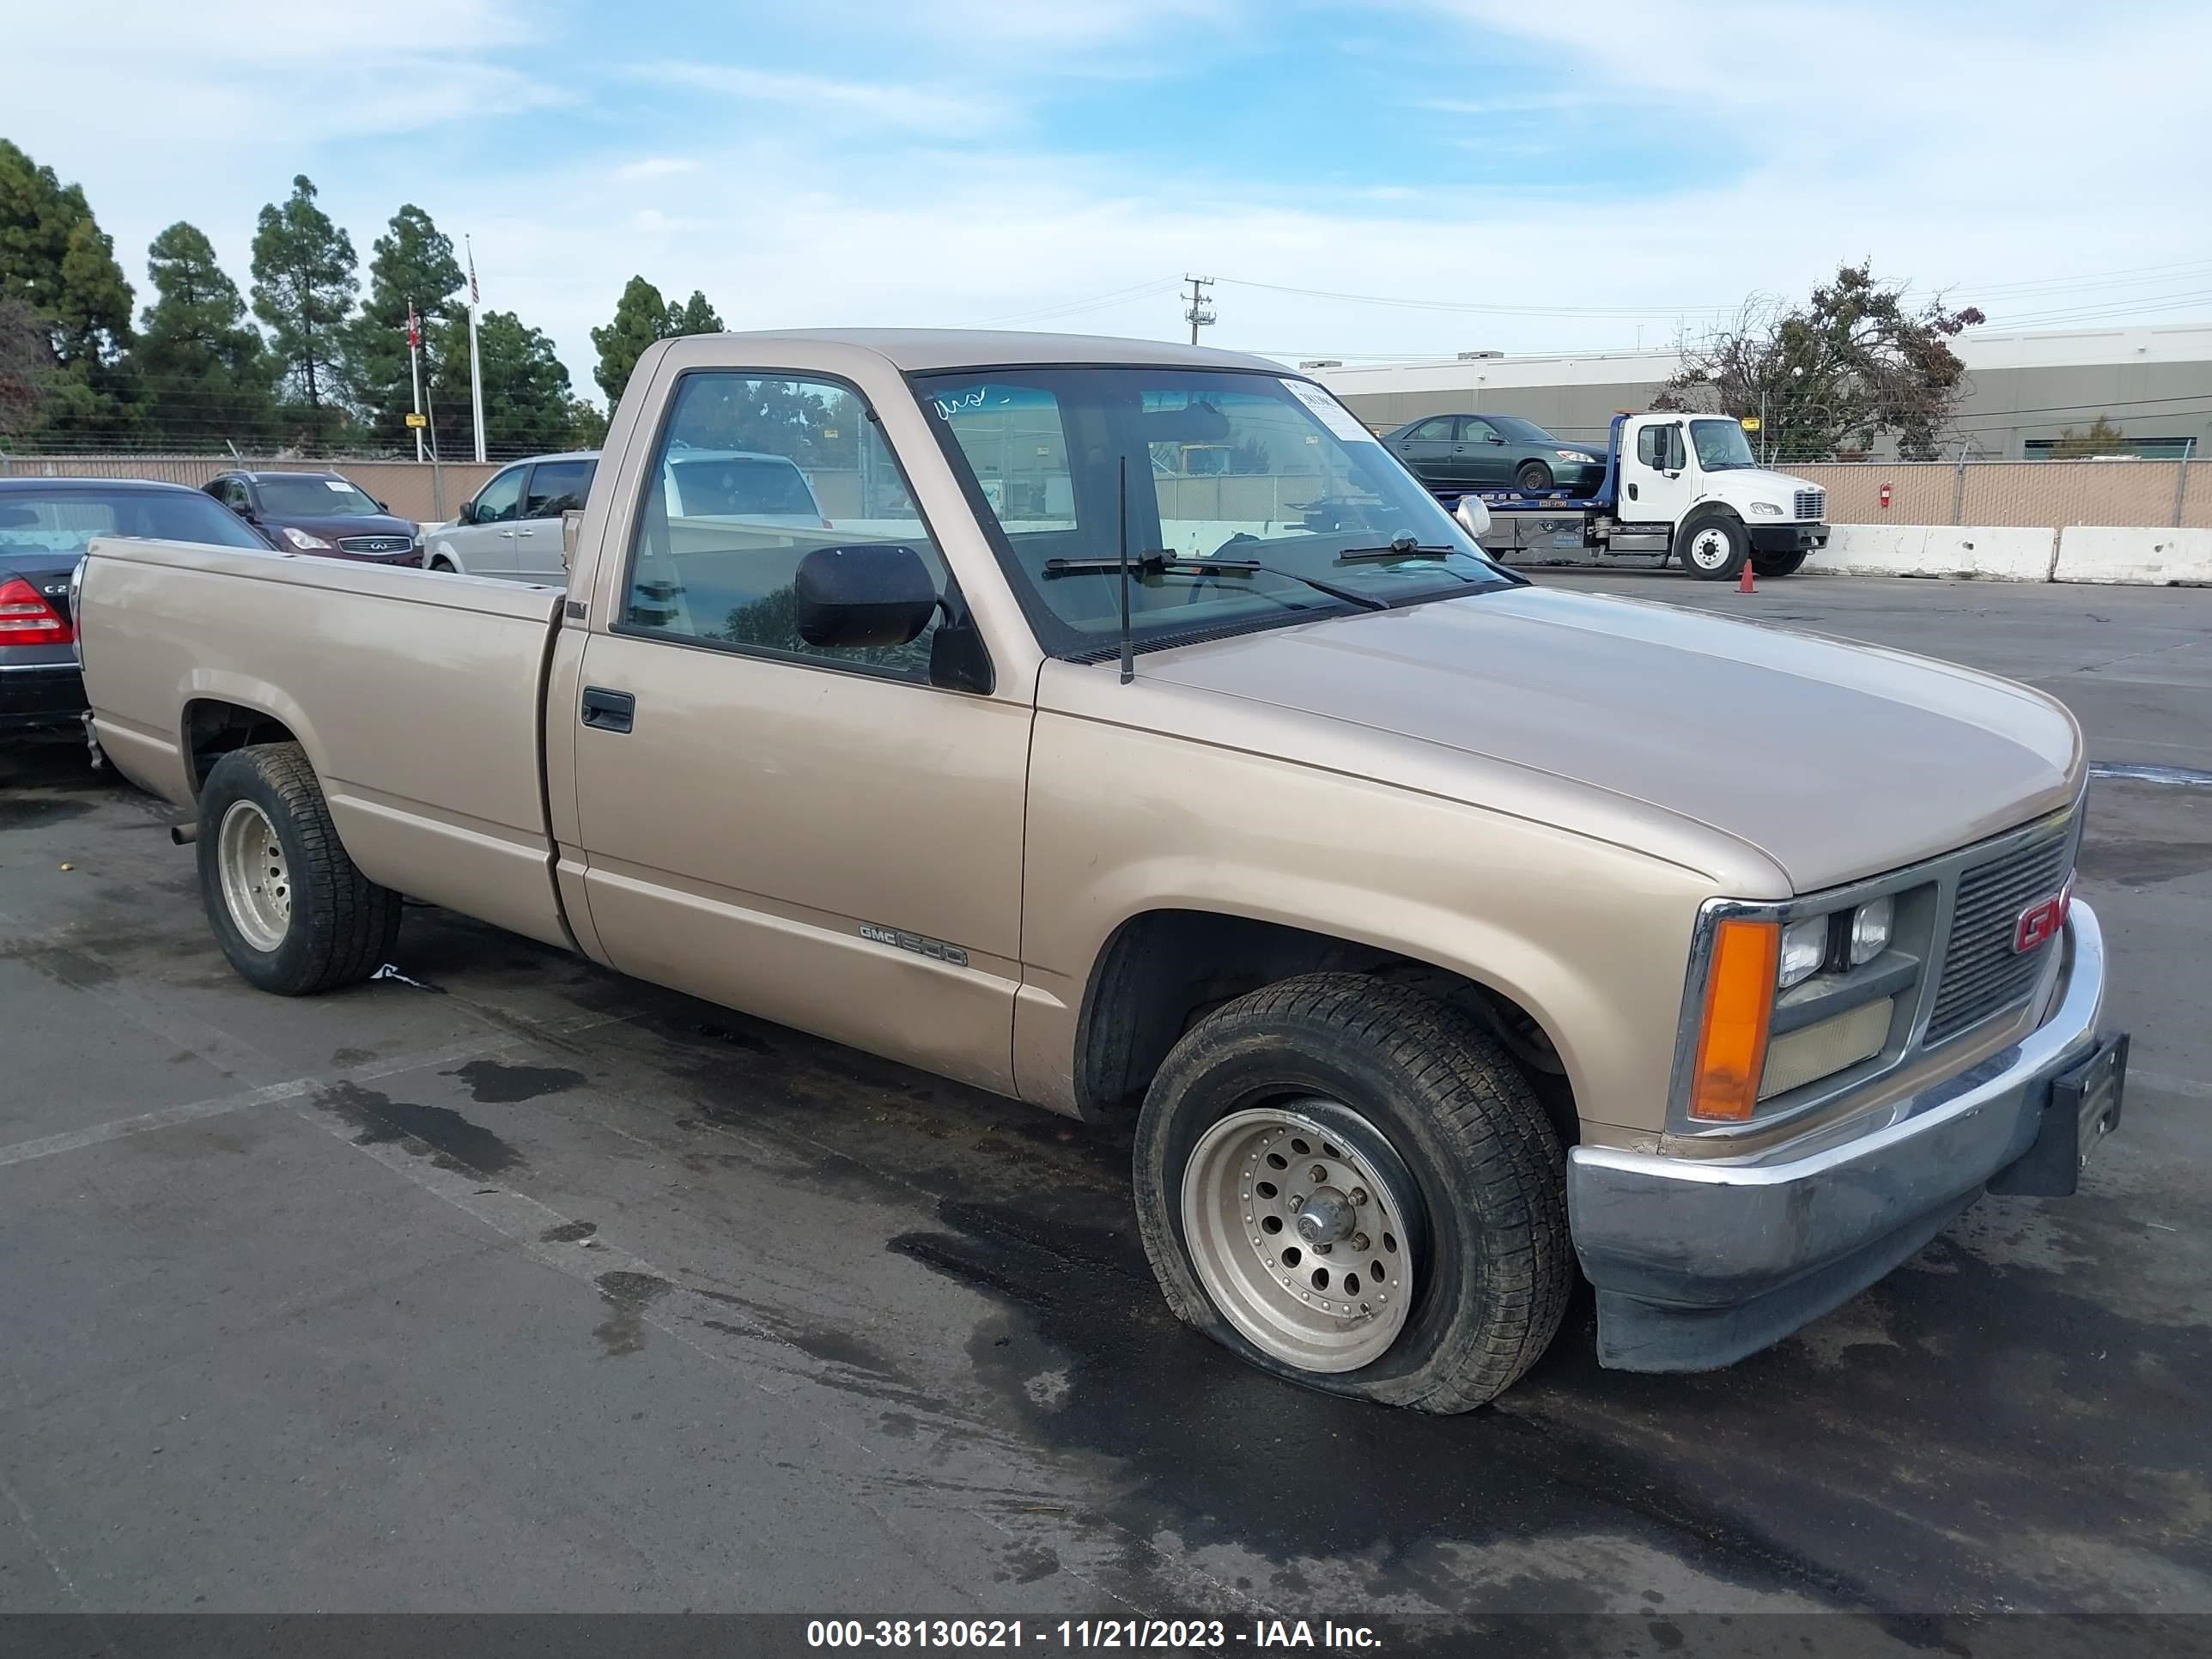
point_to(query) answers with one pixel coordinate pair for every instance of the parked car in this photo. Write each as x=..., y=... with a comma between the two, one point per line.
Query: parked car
x=44, y=525
x=1495, y=451
x=1428, y=960
x=325, y=513
x=512, y=526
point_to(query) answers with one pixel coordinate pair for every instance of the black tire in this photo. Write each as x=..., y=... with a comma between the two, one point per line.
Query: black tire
x=1532, y=475
x=341, y=926
x=444, y=566
x=1483, y=1165
x=1778, y=564
x=1696, y=534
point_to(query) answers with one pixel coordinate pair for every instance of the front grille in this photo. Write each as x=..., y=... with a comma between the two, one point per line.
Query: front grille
x=1982, y=975
x=1812, y=504
x=374, y=543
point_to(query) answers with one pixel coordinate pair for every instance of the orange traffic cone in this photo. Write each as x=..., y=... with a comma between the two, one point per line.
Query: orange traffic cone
x=1743, y=583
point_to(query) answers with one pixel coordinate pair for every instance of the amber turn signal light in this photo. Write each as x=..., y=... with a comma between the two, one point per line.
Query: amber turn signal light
x=1739, y=1002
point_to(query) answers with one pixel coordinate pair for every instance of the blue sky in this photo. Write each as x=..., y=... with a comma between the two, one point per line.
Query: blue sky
x=1521, y=176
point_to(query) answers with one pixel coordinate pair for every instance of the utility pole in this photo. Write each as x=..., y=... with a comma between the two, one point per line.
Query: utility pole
x=1200, y=314
x=476, y=368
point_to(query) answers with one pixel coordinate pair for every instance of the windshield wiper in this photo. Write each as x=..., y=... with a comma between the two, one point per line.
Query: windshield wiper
x=1159, y=563
x=1396, y=551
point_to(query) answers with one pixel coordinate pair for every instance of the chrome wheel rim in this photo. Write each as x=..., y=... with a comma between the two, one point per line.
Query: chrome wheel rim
x=1710, y=549
x=1298, y=1219
x=257, y=883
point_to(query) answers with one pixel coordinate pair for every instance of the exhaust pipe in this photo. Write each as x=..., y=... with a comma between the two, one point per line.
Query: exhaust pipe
x=184, y=834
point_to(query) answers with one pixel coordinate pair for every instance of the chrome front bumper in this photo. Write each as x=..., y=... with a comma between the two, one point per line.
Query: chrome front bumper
x=1699, y=1261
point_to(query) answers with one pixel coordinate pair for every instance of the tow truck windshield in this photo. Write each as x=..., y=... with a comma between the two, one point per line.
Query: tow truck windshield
x=1292, y=484
x=1722, y=447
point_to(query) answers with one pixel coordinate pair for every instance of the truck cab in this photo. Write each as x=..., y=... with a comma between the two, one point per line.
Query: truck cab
x=1691, y=485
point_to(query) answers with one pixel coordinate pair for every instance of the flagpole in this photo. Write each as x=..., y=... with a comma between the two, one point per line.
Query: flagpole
x=415, y=371
x=476, y=376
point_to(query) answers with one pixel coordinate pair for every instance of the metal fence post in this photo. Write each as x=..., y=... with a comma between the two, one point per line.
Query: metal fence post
x=2180, y=488
x=1958, y=489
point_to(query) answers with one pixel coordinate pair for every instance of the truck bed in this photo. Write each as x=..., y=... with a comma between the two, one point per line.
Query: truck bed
x=430, y=685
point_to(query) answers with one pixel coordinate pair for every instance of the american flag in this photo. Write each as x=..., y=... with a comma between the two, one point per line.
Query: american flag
x=414, y=327
x=475, y=297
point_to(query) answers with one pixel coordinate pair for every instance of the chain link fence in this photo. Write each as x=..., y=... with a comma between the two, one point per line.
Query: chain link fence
x=2028, y=494
x=428, y=492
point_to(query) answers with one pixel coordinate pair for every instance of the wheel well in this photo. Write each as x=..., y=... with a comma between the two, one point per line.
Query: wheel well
x=213, y=729
x=1165, y=970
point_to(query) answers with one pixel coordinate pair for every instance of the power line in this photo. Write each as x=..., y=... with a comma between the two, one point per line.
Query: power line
x=1200, y=314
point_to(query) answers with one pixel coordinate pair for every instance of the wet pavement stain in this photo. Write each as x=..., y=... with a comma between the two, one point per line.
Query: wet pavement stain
x=627, y=1295
x=496, y=1083
x=25, y=812
x=569, y=1232
x=2143, y=863
x=1750, y=1474
x=438, y=1130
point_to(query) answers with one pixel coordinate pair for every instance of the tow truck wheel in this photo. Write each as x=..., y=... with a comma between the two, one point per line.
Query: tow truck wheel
x=1350, y=1185
x=1534, y=477
x=1713, y=546
x=292, y=913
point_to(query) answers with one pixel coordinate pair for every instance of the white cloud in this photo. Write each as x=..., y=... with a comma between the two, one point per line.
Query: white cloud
x=657, y=166
x=817, y=94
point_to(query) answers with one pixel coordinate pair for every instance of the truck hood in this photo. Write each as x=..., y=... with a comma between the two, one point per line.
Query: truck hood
x=1837, y=760
x=1756, y=481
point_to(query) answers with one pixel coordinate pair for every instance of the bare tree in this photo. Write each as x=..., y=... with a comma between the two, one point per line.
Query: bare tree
x=1851, y=363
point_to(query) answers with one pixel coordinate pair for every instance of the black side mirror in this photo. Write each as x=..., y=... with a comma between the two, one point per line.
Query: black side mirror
x=384, y=507
x=467, y=514
x=873, y=594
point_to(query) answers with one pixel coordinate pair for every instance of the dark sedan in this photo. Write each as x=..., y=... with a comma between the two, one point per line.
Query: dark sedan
x=324, y=514
x=45, y=524
x=1495, y=451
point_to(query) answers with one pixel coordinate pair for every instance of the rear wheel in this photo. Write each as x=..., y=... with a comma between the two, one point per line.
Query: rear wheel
x=1350, y=1186
x=1713, y=546
x=1778, y=564
x=292, y=913
x=1532, y=475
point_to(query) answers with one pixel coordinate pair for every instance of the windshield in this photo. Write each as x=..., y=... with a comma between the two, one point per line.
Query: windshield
x=1722, y=447
x=65, y=520
x=307, y=496
x=725, y=487
x=1219, y=464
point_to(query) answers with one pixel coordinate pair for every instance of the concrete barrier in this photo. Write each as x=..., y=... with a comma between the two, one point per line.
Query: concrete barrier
x=1993, y=552
x=2123, y=553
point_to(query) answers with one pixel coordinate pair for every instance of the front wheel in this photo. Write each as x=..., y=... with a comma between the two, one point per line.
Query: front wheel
x=1713, y=547
x=1778, y=564
x=1534, y=477
x=1350, y=1185
x=292, y=913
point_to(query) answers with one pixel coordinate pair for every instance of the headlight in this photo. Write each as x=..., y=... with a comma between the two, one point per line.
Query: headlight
x=1870, y=926
x=302, y=540
x=1766, y=509
x=1576, y=455
x=1804, y=948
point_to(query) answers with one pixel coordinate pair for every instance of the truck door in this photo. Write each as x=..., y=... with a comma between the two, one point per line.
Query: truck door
x=818, y=836
x=1658, y=480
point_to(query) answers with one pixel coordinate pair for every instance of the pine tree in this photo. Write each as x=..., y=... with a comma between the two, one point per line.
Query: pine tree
x=641, y=318
x=527, y=392
x=303, y=289
x=55, y=259
x=413, y=260
x=694, y=316
x=206, y=374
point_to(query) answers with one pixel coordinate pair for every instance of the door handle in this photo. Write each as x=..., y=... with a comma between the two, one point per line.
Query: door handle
x=506, y=535
x=526, y=531
x=608, y=711
x=1631, y=492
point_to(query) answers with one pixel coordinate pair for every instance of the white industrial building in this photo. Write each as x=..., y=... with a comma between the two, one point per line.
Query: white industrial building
x=2024, y=391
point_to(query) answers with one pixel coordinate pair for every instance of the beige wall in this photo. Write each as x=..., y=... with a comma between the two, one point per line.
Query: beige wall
x=422, y=493
x=2035, y=494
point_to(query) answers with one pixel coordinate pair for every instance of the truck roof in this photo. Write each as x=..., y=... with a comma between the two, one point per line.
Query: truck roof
x=926, y=349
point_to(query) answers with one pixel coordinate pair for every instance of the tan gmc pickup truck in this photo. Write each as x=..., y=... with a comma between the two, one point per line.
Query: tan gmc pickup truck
x=1440, y=931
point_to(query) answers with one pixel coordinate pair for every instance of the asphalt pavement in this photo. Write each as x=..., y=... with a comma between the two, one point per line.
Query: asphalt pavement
x=505, y=1283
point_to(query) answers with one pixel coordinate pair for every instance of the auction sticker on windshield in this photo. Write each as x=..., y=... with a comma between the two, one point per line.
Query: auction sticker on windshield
x=1334, y=414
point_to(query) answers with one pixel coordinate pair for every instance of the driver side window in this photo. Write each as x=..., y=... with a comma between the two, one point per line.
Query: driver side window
x=501, y=498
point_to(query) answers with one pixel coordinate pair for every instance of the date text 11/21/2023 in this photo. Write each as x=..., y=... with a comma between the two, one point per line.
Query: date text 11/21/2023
x=1126, y=1634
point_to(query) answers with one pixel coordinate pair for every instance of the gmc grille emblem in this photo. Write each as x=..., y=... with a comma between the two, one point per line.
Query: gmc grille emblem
x=2039, y=923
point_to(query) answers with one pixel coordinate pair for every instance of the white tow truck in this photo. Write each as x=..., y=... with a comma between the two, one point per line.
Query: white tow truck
x=1676, y=484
